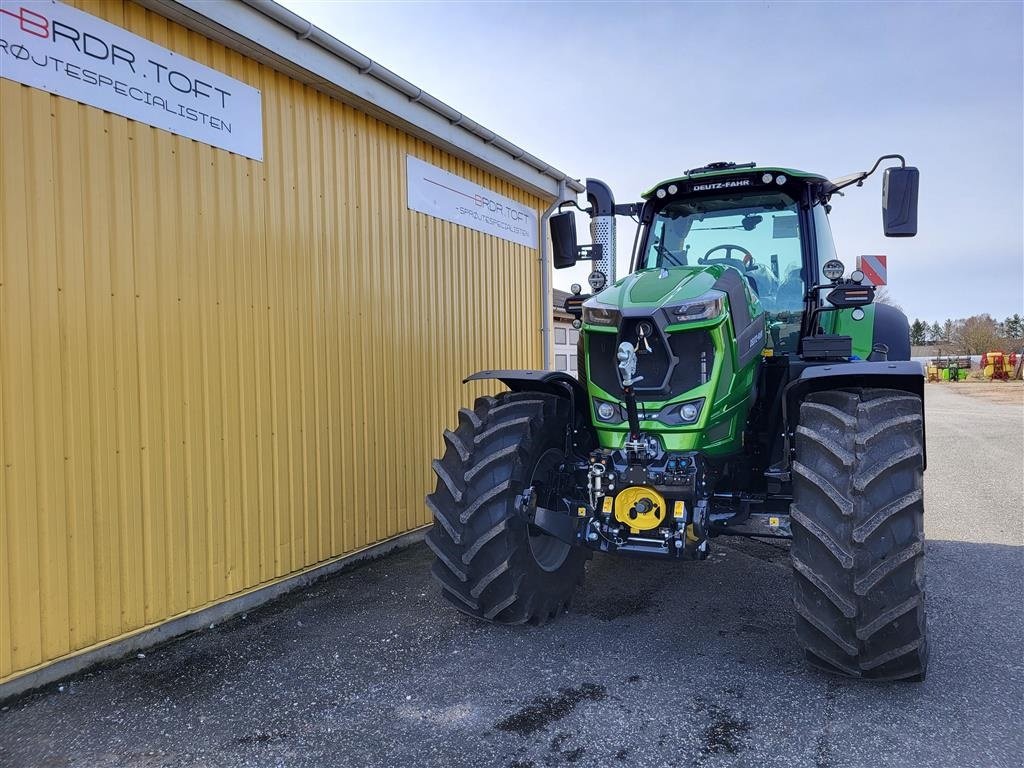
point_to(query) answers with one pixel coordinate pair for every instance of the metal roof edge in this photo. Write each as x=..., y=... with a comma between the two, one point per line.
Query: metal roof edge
x=270, y=33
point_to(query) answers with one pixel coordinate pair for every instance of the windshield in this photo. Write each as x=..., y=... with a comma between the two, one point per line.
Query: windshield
x=759, y=236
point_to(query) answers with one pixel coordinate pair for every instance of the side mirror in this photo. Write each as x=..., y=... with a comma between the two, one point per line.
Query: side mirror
x=563, y=239
x=899, y=201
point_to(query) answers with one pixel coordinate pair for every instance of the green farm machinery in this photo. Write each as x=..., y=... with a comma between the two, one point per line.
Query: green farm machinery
x=738, y=381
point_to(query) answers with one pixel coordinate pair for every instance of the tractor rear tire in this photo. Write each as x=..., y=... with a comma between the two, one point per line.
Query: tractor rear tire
x=490, y=563
x=858, y=533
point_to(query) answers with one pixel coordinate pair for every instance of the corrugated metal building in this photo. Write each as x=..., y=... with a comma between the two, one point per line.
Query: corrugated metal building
x=219, y=371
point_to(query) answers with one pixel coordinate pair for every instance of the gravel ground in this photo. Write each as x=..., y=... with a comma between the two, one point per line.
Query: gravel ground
x=1010, y=392
x=694, y=664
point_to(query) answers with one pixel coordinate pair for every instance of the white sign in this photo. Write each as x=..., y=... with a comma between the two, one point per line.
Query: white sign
x=61, y=50
x=434, y=191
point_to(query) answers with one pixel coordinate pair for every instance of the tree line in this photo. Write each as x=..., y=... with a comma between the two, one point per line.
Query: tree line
x=971, y=335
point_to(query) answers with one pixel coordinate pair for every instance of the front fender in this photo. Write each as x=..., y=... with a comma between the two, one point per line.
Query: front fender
x=904, y=375
x=556, y=383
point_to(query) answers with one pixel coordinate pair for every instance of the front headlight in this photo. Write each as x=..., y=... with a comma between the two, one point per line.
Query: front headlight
x=608, y=412
x=681, y=415
x=708, y=306
x=601, y=314
x=688, y=412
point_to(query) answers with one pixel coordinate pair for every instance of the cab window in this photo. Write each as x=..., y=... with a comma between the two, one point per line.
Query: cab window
x=758, y=235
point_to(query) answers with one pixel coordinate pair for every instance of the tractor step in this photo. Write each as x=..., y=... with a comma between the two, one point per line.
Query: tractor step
x=561, y=525
x=765, y=525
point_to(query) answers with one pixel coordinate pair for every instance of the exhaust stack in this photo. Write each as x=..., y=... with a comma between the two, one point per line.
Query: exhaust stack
x=602, y=225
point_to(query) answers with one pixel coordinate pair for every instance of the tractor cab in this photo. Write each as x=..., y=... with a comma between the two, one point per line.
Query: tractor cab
x=755, y=228
x=770, y=224
x=734, y=290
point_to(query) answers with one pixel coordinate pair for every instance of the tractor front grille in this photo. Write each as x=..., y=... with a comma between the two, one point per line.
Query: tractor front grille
x=601, y=361
x=677, y=362
x=696, y=355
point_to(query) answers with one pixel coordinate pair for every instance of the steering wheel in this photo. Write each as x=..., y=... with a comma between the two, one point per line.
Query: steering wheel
x=743, y=265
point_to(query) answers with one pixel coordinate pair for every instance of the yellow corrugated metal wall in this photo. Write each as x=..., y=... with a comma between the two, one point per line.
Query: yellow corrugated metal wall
x=216, y=372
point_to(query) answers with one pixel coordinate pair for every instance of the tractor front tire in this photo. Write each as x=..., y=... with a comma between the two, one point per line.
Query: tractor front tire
x=490, y=563
x=858, y=533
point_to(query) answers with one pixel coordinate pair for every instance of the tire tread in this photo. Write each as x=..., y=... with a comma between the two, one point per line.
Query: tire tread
x=858, y=533
x=482, y=558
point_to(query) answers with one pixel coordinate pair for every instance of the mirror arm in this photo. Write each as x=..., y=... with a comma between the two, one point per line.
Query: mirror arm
x=592, y=252
x=878, y=162
x=574, y=204
x=812, y=292
x=624, y=209
x=859, y=178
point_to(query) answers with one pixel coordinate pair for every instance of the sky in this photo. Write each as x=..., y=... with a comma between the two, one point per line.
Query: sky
x=636, y=93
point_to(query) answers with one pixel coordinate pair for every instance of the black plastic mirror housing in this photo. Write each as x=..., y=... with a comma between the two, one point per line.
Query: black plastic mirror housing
x=563, y=239
x=899, y=201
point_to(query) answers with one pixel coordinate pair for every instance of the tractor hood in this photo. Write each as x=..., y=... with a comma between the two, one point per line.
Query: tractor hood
x=656, y=288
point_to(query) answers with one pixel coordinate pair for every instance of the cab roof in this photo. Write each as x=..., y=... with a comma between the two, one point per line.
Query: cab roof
x=713, y=170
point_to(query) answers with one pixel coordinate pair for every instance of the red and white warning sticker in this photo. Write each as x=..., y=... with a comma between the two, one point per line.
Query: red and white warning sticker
x=874, y=269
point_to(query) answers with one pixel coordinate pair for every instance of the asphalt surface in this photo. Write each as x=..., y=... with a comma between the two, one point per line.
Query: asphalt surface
x=689, y=665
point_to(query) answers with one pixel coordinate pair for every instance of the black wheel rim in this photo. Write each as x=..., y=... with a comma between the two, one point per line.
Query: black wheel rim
x=548, y=552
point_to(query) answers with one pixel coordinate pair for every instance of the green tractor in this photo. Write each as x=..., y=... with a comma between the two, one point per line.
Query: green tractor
x=737, y=382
